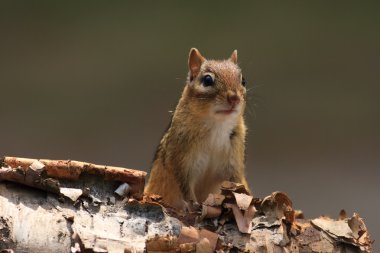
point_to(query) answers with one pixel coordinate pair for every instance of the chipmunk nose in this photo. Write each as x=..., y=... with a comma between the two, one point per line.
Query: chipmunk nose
x=233, y=99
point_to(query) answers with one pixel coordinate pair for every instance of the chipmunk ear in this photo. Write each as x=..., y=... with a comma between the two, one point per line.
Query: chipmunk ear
x=195, y=62
x=233, y=57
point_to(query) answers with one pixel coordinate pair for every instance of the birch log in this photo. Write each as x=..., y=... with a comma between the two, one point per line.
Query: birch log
x=81, y=212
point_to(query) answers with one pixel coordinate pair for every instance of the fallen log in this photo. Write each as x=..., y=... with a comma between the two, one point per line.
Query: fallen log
x=84, y=214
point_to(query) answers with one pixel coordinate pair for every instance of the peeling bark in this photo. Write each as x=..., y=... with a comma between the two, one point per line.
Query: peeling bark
x=27, y=171
x=82, y=213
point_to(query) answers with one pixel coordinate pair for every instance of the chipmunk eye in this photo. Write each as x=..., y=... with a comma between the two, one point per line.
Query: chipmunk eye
x=243, y=82
x=207, y=80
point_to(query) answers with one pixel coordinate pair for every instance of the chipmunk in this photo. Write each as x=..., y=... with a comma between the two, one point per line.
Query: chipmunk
x=205, y=142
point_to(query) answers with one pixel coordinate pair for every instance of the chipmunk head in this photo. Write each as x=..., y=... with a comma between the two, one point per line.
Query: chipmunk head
x=217, y=86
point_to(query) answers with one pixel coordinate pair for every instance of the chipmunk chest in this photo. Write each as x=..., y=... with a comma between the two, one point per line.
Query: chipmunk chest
x=213, y=153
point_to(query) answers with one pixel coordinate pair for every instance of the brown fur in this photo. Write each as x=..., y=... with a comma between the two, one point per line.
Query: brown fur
x=202, y=147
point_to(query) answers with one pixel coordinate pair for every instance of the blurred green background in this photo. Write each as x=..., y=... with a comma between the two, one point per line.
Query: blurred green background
x=94, y=81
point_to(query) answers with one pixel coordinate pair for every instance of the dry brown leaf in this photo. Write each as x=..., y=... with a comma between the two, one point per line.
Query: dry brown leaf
x=278, y=206
x=243, y=200
x=289, y=214
x=232, y=186
x=244, y=221
x=359, y=229
x=334, y=228
x=282, y=199
x=352, y=231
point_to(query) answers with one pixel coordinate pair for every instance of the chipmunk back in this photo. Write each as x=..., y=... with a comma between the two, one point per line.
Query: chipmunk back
x=205, y=142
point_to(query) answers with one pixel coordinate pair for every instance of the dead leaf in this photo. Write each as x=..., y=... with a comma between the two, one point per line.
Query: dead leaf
x=244, y=221
x=278, y=206
x=231, y=186
x=352, y=231
x=334, y=228
x=243, y=200
x=289, y=215
x=359, y=229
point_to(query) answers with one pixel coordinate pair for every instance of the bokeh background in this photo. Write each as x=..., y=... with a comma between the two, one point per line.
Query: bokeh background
x=95, y=81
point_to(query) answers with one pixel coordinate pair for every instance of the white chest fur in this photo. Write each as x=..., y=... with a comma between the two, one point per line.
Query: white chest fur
x=212, y=156
x=219, y=137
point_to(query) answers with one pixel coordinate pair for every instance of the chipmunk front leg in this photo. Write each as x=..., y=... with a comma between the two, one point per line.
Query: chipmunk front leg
x=187, y=184
x=189, y=196
x=236, y=160
x=189, y=193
